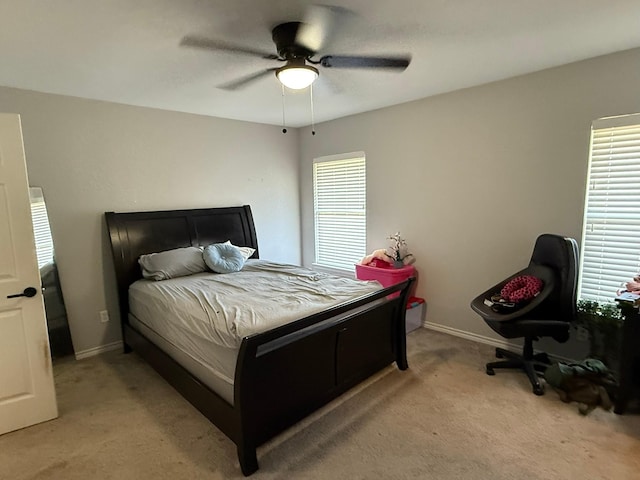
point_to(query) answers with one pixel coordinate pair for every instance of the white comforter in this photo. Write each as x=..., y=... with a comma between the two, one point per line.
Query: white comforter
x=224, y=308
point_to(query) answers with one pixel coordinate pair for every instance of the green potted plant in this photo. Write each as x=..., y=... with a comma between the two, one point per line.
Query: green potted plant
x=603, y=321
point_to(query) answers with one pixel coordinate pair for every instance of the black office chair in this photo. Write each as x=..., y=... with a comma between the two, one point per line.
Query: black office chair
x=554, y=261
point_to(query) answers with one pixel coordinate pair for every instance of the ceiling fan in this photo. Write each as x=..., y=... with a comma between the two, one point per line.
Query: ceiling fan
x=297, y=43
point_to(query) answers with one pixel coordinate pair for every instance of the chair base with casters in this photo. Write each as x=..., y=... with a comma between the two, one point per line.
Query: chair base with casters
x=528, y=361
x=531, y=363
x=554, y=261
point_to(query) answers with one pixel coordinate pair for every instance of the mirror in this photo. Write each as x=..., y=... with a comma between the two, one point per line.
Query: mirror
x=58, y=326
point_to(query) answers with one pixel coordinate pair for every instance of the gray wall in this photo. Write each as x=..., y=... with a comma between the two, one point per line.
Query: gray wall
x=90, y=157
x=470, y=178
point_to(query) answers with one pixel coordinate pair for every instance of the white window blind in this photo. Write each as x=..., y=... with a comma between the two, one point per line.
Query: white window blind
x=340, y=213
x=611, y=234
x=41, y=229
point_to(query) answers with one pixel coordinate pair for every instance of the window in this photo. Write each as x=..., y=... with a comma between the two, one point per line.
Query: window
x=41, y=230
x=611, y=233
x=340, y=212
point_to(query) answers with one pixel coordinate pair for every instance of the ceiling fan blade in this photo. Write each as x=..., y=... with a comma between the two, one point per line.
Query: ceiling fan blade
x=318, y=25
x=209, y=44
x=244, y=81
x=342, y=61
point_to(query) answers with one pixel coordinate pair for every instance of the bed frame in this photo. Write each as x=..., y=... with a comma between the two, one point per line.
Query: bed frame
x=282, y=375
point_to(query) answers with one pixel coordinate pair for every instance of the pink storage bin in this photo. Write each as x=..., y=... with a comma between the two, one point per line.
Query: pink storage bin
x=386, y=276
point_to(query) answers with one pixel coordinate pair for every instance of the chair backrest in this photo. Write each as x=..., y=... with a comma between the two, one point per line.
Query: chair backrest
x=561, y=254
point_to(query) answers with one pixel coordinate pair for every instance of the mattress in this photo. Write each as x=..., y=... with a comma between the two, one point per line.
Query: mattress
x=201, y=319
x=219, y=379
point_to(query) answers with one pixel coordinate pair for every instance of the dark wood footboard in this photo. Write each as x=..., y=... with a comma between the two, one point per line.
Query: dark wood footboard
x=285, y=374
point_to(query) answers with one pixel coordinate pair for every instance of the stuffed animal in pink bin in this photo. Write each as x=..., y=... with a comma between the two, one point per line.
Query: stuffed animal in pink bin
x=377, y=258
x=396, y=255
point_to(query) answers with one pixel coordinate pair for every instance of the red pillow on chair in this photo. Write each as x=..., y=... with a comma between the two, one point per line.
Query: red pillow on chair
x=521, y=289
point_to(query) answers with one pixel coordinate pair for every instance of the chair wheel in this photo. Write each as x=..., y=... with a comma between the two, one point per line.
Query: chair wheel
x=538, y=390
x=490, y=371
x=543, y=357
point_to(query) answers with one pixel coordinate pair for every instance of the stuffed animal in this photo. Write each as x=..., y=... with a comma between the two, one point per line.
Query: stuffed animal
x=376, y=255
x=634, y=286
x=631, y=287
x=589, y=383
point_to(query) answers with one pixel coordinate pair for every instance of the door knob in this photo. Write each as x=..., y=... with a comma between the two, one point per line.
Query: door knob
x=27, y=292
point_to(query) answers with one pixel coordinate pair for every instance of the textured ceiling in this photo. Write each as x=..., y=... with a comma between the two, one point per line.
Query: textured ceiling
x=128, y=51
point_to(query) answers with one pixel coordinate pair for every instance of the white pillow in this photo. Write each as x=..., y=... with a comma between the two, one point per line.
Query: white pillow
x=246, y=251
x=172, y=263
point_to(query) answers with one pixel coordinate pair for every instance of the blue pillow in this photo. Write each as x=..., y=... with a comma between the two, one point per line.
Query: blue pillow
x=223, y=258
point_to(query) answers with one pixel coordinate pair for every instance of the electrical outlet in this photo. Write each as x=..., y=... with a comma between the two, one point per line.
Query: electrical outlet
x=104, y=316
x=582, y=334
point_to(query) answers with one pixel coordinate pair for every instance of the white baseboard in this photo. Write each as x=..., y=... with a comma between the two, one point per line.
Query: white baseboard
x=98, y=350
x=474, y=337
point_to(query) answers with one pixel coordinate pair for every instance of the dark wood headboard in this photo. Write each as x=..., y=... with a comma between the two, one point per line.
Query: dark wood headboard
x=137, y=233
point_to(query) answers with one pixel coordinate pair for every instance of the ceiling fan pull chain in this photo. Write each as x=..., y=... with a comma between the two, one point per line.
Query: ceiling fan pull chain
x=313, y=126
x=284, y=124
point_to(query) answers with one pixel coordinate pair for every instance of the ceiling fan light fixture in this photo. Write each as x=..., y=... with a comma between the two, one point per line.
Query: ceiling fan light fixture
x=297, y=77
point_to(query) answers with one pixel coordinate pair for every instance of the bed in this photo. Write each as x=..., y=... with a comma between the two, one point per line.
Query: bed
x=280, y=375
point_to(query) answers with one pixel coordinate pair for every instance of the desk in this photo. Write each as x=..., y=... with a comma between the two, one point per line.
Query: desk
x=629, y=374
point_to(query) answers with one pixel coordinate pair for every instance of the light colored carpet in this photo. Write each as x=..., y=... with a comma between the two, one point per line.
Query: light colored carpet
x=442, y=419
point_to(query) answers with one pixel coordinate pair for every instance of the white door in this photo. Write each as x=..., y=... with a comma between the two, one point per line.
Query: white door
x=27, y=394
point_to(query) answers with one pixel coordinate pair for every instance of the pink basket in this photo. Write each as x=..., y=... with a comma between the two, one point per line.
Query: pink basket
x=386, y=276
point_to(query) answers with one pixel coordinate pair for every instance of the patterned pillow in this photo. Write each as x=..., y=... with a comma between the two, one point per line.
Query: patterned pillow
x=521, y=289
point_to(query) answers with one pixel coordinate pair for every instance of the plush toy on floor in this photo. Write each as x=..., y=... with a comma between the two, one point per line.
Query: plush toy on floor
x=589, y=383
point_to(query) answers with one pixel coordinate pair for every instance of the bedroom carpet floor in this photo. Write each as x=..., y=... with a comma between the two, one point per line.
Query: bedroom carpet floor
x=442, y=419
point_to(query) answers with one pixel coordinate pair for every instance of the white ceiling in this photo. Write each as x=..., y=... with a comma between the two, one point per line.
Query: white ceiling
x=127, y=51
